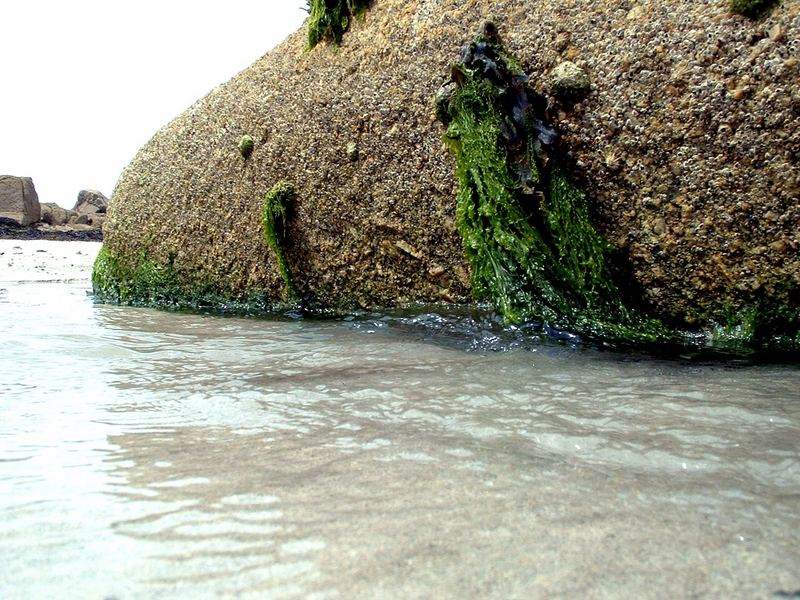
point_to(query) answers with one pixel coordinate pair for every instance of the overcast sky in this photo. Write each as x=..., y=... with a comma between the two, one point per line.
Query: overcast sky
x=85, y=83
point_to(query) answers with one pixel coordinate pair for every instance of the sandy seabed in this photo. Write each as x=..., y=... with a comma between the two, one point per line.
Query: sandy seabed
x=46, y=260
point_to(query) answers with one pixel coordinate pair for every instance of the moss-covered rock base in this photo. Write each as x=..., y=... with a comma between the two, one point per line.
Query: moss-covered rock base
x=145, y=282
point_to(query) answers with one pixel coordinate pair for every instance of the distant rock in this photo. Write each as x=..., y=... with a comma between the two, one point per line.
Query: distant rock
x=19, y=202
x=55, y=215
x=23, y=217
x=90, y=202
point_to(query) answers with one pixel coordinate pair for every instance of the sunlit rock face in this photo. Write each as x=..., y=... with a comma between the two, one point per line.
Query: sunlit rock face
x=686, y=145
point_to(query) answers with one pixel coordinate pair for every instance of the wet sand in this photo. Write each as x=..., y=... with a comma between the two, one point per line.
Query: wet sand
x=46, y=260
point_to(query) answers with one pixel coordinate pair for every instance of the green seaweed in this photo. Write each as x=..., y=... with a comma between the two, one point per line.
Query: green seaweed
x=273, y=221
x=534, y=256
x=764, y=323
x=329, y=19
x=753, y=9
x=145, y=282
x=246, y=145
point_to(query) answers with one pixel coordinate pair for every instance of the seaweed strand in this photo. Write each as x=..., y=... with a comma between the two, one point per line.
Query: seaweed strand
x=329, y=19
x=526, y=229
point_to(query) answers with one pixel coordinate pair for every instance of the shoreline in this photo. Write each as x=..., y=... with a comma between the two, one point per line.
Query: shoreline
x=47, y=260
x=14, y=232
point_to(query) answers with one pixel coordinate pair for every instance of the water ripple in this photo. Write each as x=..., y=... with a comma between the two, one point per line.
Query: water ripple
x=168, y=454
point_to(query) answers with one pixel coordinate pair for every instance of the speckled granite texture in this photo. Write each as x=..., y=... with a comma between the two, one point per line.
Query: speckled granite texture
x=687, y=146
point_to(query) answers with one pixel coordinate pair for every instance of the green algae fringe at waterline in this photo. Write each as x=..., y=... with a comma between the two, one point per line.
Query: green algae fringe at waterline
x=142, y=281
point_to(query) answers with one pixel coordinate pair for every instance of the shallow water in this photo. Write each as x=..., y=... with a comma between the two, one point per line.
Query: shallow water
x=153, y=454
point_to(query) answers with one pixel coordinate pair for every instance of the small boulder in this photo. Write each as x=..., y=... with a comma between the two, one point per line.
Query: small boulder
x=569, y=82
x=90, y=202
x=352, y=151
x=54, y=215
x=19, y=201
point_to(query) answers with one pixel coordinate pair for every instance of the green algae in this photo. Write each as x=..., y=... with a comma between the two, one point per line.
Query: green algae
x=766, y=323
x=753, y=9
x=527, y=232
x=142, y=281
x=533, y=250
x=329, y=19
x=246, y=145
x=273, y=222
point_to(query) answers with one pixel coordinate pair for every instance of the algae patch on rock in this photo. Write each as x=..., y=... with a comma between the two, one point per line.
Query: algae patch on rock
x=145, y=282
x=273, y=219
x=246, y=145
x=526, y=228
x=329, y=19
x=141, y=282
x=752, y=8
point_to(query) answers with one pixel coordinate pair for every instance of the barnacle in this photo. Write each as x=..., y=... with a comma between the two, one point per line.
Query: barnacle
x=612, y=159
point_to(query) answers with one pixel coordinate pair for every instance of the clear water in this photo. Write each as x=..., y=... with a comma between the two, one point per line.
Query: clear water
x=148, y=454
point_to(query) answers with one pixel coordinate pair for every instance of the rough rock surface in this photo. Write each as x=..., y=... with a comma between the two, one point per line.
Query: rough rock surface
x=19, y=202
x=687, y=146
x=55, y=215
x=90, y=202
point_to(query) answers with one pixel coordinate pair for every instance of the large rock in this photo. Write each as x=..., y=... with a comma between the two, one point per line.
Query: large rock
x=687, y=144
x=19, y=201
x=90, y=202
x=53, y=214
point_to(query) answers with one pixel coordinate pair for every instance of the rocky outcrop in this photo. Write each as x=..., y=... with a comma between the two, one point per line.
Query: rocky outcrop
x=90, y=202
x=55, y=215
x=90, y=209
x=19, y=202
x=686, y=145
x=48, y=220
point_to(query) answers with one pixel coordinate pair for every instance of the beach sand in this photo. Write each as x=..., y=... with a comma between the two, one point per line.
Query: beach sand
x=46, y=260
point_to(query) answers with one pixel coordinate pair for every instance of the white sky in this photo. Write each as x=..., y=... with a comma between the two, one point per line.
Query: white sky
x=85, y=83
